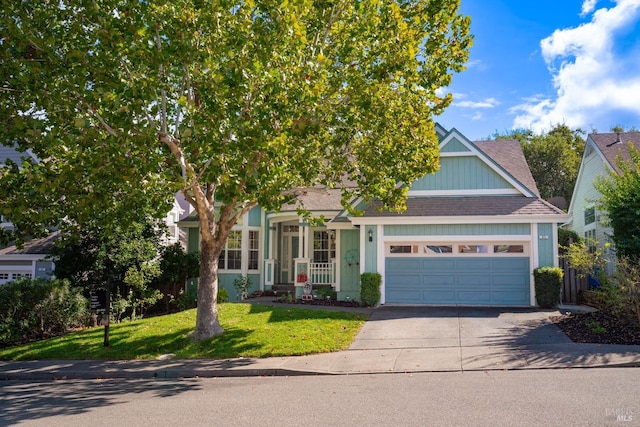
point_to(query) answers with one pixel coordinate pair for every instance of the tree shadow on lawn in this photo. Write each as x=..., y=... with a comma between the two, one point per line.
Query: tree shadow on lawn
x=28, y=401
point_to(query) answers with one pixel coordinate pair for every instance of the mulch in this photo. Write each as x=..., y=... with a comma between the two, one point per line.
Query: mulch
x=598, y=327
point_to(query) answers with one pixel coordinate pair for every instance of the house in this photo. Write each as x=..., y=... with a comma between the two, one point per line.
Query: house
x=472, y=234
x=34, y=261
x=600, y=154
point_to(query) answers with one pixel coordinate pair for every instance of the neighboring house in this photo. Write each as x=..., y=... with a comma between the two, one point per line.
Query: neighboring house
x=600, y=154
x=32, y=260
x=472, y=234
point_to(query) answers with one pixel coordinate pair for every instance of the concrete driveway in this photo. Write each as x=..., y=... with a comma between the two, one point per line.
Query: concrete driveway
x=461, y=338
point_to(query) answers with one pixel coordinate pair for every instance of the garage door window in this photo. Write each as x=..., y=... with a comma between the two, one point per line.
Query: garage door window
x=466, y=249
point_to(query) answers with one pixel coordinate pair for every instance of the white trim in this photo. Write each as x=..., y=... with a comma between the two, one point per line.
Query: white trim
x=439, y=220
x=465, y=192
x=534, y=263
x=457, y=239
x=381, y=264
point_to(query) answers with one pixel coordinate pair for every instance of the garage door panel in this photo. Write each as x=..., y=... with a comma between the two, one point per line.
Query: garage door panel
x=438, y=280
x=438, y=265
x=474, y=297
x=473, y=280
x=471, y=265
x=404, y=265
x=462, y=280
x=439, y=296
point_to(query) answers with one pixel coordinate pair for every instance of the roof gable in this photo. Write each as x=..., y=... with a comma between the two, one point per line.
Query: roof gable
x=487, y=167
x=614, y=145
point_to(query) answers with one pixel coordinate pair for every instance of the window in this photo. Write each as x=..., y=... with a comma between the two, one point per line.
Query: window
x=15, y=276
x=590, y=240
x=254, y=250
x=589, y=216
x=231, y=256
x=473, y=249
x=400, y=249
x=508, y=249
x=438, y=249
x=4, y=276
x=324, y=246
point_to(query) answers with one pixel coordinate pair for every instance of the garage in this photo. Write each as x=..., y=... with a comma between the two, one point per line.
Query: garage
x=466, y=274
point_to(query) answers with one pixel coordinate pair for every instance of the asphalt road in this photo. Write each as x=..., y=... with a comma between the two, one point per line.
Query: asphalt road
x=550, y=397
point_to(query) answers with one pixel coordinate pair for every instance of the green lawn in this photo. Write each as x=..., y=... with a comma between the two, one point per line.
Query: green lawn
x=250, y=331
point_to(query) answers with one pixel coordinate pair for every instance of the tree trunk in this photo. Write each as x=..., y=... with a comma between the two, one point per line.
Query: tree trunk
x=207, y=323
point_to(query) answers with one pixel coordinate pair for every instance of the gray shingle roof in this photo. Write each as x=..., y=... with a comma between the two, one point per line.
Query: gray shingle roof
x=606, y=144
x=33, y=247
x=469, y=206
x=508, y=154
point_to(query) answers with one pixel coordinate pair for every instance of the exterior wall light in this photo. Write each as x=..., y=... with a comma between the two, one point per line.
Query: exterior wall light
x=370, y=235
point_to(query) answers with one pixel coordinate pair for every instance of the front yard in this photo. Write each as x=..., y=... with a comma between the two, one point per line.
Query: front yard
x=250, y=331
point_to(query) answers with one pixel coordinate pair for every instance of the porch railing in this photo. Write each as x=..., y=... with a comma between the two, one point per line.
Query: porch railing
x=323, y=273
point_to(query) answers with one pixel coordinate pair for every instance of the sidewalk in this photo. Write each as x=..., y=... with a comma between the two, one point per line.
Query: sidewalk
x=394, y=340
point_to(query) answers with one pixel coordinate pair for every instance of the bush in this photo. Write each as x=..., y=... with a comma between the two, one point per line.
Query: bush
x=326, y=292
x=370, y=289
x=242, y=285
x=188, y=298
x=548, y=285
x=223, y=295
x=35, y=308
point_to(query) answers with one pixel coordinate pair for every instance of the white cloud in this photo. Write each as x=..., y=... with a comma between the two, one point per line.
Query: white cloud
x=485, y=103
x=590, y=77
x=588, y=6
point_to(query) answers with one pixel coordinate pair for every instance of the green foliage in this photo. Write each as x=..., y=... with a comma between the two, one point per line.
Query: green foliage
x=621, y=200
x=370, y=288
x=595, y=327
x=627, y=277
x=34, y=308
x=234, y=104
x=127, y=259
x=242, y=285
x=586, y=257
x=188, y=298
x=326, y=292
x=566, y=237
x=548, y=285
x=287, y=298
x=223, y=295
x=554, y=158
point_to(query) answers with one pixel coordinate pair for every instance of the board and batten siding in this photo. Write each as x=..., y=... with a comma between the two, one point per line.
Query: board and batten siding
x=461, y=173
x=546, y=255
x=457, y=230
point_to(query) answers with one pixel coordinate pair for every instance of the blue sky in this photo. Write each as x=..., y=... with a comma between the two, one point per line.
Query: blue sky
x=537, y=63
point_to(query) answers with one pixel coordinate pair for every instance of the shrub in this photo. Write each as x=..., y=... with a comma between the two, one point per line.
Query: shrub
x=34, y=308
x=242, y=285
x=627, y=277
x=326, y=292
x=223, y=295
x=548, y=285
x=188, y=298
x=370, y=289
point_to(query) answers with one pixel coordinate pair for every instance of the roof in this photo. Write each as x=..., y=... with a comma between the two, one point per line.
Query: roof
x=318, y=199
x=10, y=153
x=509, y=156
x=33, y=247
x=610, y=149
x=469, y=206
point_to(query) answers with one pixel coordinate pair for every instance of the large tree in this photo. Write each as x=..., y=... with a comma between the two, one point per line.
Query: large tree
x=554, y=158
x=234, y=103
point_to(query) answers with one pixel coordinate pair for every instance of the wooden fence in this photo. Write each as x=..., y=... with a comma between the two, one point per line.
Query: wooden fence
x=572, y=284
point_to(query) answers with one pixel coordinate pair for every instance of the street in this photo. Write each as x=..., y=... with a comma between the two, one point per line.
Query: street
x=567, y=397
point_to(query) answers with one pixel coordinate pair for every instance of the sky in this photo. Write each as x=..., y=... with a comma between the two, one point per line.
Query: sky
x=538, y=63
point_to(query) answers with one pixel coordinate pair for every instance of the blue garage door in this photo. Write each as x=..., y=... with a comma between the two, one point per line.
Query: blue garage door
x=468, y=281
